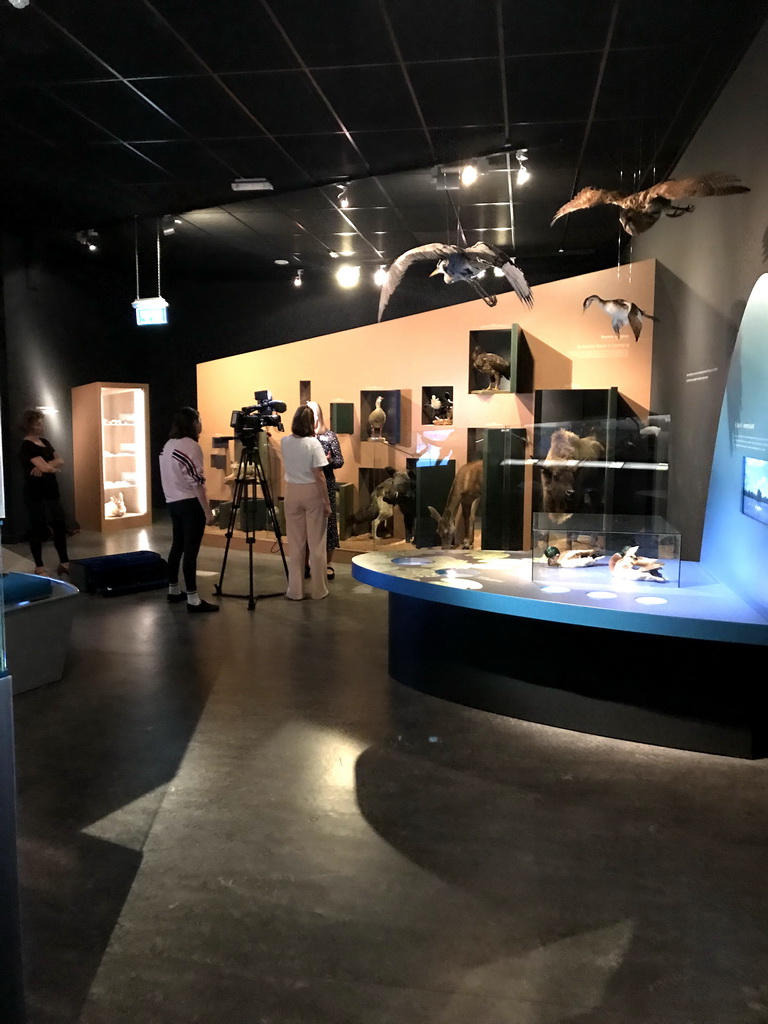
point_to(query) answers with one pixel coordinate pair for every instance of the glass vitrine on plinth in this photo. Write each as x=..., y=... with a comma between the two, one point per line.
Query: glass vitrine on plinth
x=110, y=436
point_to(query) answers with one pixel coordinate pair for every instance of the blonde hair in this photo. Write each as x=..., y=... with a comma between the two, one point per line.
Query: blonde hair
x=317, y=412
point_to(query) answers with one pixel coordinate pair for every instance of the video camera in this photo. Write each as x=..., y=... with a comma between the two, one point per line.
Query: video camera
x=246, y=422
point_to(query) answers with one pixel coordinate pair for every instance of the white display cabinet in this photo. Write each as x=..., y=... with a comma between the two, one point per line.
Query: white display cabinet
x=110, y=435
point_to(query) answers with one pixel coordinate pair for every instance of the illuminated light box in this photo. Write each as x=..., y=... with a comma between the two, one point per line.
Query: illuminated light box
x=151, y=311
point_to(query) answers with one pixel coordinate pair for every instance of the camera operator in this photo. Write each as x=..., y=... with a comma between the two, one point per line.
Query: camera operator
x=307, y=505
x=181, y=471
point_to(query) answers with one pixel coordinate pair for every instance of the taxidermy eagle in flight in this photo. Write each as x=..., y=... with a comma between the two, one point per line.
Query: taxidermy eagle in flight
x=641, y=210
x=456, y=264
x=621, y=313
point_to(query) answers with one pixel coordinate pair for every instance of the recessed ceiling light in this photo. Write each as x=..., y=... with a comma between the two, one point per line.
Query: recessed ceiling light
x=282, y=263
x=252, y=185
x=469, y=174
x=333, y=255
x=380, y=276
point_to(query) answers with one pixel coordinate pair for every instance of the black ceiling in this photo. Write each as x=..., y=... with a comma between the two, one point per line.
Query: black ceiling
x=113, y=109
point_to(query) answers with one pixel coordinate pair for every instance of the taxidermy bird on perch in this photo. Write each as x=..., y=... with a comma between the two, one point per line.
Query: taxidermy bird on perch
x=621, y=313
x=641, y=210
x=376, y=419
x=456, y=264
x=494, y=366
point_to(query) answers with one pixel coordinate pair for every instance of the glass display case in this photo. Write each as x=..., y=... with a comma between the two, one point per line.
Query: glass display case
x=606, y=550
x=112, y=483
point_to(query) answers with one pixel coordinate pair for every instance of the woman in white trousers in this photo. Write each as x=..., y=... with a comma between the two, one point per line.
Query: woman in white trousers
x=306, y=505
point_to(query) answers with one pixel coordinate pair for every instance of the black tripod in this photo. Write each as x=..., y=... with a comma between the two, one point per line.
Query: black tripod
x=245, y=487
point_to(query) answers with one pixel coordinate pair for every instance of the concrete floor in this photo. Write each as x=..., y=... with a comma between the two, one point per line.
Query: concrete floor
x=240, y=818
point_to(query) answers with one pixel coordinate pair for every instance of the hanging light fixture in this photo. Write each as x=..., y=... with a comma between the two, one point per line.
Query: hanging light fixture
x=154, y=310
x=297, y=282
x=343, y=197
x=89, y=238
x=523, y=174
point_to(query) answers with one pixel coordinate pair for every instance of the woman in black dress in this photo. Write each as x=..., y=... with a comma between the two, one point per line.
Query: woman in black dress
x=40, y=464
x=330, y=445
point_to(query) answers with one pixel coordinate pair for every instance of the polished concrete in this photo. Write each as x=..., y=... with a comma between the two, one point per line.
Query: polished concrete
x=240, y=818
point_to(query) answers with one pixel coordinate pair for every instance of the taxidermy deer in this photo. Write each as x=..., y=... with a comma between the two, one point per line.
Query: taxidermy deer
x=463, y=496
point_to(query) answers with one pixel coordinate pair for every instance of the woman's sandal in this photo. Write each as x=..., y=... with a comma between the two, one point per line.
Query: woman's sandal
x=330, y=573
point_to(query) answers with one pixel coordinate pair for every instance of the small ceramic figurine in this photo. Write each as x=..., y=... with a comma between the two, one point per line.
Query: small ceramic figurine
x=628, y=565
x=578, y=558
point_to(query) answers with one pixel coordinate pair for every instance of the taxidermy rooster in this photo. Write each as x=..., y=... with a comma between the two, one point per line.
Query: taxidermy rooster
x=641, y=210
x=621, y=313
x=457, y=264
x=489, y=363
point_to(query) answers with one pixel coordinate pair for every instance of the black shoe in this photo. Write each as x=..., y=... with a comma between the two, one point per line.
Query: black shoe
x=204, y=606
x=176, y=598
x=330, y=573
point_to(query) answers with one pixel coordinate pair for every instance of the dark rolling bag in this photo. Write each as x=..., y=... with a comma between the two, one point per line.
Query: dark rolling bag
x=111, y=575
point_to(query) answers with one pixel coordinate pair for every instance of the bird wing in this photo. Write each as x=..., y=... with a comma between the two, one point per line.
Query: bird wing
x=520, y=286
x=433, y=251
x=590, y=197
x=495, y=257
x=636, y=321
x=716, y=184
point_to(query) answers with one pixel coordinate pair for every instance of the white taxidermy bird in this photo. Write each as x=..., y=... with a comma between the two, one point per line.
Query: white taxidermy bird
x=621, y=313
x=457, y=264
x=641, y=210
x=628, y=565
x=377, y=418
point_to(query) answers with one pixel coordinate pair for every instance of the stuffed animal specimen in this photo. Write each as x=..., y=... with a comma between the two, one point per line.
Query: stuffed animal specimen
x=560, y=472
x=577, y=558
x=377, y=419
x=621, y=313
x=456, y=264
x=628, y=565
x=464, y=496
x=489, y=363
x=641, y=210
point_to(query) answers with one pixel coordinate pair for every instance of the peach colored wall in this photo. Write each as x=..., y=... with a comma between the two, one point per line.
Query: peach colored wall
x=570, y=349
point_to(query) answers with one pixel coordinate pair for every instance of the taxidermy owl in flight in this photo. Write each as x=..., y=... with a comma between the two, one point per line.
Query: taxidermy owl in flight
x=456, y=264
x=621, y=313
x=641, y=210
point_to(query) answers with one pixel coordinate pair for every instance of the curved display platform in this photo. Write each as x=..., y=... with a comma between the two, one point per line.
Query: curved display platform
x=473, y=628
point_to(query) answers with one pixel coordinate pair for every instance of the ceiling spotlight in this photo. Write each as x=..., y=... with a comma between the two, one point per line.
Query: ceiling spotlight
x=89, y=238
x=348, y=275
x=168, y=225
x=380, y=276
x=297, y=280
x=343, y=197
x=282, y=263
x=469, y=174
x=252, y=185
x=333, y=255
x=523, y=174
x=19, y=3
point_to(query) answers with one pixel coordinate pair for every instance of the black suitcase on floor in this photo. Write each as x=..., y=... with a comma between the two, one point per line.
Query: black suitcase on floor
x=111, y=575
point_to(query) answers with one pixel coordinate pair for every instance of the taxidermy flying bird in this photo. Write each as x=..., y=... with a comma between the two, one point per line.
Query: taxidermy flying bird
x=641, y=210
x=456, y=264
x=495, y=366
x=621, y=313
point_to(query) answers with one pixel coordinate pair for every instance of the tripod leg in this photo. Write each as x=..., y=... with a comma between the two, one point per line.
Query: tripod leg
x=237, y=495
